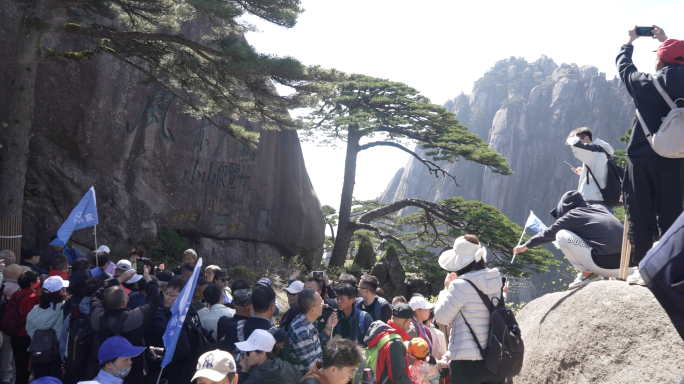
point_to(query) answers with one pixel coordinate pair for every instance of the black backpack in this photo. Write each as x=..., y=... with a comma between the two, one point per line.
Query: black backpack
x=503, y=354
x=44, y=347
x=612, y=193
x=79, y=347
x=99, y=337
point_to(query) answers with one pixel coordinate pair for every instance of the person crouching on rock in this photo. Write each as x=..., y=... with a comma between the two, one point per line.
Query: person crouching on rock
x=459, y=303
x=589, y=236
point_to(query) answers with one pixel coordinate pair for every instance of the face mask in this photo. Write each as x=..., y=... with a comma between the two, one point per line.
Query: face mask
x=121, y=372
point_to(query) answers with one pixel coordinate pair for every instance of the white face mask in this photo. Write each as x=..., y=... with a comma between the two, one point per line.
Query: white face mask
x=121, y=372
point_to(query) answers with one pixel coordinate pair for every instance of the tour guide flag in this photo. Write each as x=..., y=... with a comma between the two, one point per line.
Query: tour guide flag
x=178, y=311
x=83, y=216
x=536, y=225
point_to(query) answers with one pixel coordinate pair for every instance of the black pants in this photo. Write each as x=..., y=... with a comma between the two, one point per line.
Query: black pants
x=51, y=369
x=652, y=189
x=20, y=346
x=473, y=372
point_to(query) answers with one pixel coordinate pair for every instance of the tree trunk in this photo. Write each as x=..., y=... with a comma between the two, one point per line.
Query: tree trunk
x=344, y=233
x=332, y=232
x=17, y=127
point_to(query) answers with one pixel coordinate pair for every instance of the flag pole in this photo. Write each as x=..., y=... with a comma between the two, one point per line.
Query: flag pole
x=160, y=373
x=97, y=263
x=519, y=241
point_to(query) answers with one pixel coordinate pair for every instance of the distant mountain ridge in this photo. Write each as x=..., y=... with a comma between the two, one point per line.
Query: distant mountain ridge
x=525, y=111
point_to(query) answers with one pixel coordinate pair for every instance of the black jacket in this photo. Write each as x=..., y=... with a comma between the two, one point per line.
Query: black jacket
x=593, y=223
x=252, y=323
x=184, y=362
x=647, y=100
x=274, y=371
x=138, y=319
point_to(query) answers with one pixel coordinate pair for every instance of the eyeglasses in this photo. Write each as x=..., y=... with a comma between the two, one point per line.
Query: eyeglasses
x=360, y=287
x=224, y=279
x=291, y=294
x=350, y=374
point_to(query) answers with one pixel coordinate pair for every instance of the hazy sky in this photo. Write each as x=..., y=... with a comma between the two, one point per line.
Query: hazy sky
x=442, y=47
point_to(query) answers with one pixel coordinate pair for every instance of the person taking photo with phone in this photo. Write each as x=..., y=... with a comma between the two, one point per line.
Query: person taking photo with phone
x=594, y=170
x=653, y=184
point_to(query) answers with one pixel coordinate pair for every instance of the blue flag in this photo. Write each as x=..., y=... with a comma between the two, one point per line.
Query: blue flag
x=536, y=225
x=178, y=311
x=83, y=216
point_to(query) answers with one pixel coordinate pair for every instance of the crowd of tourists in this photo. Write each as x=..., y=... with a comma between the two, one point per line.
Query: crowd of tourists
x=106, y=318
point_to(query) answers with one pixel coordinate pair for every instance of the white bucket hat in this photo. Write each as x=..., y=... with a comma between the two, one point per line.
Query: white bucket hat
x=463, y=253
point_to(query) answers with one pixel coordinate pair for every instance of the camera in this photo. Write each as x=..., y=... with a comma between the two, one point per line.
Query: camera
x=141, y=263
x=158, y=351
x=318, y=274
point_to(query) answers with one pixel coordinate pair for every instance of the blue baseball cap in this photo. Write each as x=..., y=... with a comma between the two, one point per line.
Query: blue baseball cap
x=265, y=281
x=47, y=380
x=116, y=347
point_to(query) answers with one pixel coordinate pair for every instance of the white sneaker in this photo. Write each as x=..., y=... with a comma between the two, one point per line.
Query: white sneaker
x=635, y=279
x=583, y=280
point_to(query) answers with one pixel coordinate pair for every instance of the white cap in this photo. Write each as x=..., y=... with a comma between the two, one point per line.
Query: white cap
x=259, y=340
x=103, y=248
x=296, y=287
x=124, y=265
x=54, y=284
x=215, y=365
x=462, y=254
x=134, y=279
x=419, y=302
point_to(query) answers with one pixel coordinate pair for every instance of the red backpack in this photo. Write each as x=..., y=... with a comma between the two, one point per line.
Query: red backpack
x=13, y=318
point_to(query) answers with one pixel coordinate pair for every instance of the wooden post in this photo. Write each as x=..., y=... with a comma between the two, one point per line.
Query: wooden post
x=626, y=251
x=10, y=235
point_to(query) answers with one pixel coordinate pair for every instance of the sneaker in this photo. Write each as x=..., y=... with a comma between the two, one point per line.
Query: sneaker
x=635, y=279
x=583, y=280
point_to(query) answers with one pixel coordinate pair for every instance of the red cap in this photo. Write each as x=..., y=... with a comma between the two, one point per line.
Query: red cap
x=671, y=51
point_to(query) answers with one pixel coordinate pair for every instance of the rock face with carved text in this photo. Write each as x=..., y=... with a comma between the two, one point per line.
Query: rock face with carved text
x=152, y=165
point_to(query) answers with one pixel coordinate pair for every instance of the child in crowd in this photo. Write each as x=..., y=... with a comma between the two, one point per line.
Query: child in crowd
x=422, y=371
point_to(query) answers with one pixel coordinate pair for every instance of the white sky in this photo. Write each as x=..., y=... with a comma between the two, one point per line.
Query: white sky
x=442, y=47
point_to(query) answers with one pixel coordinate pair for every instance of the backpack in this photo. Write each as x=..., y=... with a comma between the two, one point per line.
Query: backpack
x=503, y=354
x=99, y=337
x=241, y=338
x=612, y=193
x=44, y=347
x=669, y=140
x=204, y=342
x=79, y=347
x=13, y=318
x=378, y=306
x=371, y=358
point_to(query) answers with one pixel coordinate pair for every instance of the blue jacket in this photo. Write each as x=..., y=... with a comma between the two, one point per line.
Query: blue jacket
x=71, y=254
x=357, y=329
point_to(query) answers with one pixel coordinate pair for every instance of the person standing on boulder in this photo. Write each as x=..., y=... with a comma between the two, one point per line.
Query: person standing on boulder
x=589, y=236
x=592, y=154
x=652, y=185
x=459, y=303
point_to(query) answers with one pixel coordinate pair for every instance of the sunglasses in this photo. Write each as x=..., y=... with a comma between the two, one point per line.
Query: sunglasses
x=291, y=294
x=224, y=279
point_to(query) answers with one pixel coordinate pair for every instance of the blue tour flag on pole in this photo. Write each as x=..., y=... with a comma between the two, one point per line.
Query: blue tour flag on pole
x=83, y=216
x=178, y=311
x=536, y=225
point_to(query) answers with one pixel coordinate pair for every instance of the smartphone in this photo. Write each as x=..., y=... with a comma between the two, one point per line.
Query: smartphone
x=570, y=165
x=318, y=274
x=644, y=31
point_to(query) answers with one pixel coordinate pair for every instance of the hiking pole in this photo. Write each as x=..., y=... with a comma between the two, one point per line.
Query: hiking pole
x=626, y=251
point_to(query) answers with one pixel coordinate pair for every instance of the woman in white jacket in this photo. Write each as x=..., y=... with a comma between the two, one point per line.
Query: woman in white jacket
x=459, y=301
x=48, y=315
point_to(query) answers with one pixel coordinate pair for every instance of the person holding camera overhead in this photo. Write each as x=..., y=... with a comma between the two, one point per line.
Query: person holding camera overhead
x=652, y=186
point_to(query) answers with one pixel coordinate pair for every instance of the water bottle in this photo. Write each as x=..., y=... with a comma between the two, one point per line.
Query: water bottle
x=368, y=376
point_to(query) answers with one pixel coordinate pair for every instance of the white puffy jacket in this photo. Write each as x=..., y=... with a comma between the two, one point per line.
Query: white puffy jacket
x=461, y=300
x=590, y=155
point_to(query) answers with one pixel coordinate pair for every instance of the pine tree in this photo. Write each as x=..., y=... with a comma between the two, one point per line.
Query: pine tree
x=391, y=113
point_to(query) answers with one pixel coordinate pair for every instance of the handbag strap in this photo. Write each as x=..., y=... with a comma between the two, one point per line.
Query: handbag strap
x=664, y=94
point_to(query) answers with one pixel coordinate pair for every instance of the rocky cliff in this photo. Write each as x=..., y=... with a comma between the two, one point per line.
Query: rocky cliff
x=525, y=112
x=152, y=165
x=606, y=332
